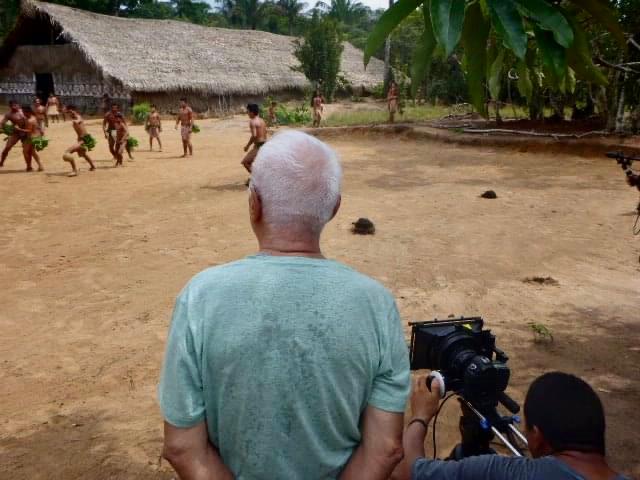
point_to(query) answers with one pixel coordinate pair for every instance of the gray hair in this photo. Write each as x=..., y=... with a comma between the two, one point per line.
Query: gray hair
x=298, y=179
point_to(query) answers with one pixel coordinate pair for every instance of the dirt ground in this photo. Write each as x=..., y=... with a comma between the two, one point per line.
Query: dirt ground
x=91, y=265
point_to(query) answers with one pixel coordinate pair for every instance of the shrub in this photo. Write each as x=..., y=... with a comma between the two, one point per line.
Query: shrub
x=293, y=116
x=140, y=112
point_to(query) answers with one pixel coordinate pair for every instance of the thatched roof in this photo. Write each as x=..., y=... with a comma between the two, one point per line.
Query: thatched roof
x=162, y=55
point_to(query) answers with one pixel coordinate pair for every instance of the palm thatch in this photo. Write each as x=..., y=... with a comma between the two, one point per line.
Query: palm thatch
x=166, y=55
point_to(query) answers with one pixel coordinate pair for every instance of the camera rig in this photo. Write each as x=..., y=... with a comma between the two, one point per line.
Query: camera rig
x=465, y=360
x=633, y=179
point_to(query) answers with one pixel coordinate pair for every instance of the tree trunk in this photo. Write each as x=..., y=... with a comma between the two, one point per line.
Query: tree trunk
x=620, y=110
x=387, y=58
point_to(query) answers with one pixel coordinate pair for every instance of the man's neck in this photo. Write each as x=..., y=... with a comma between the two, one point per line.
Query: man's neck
x=289, y=243
x=591, y=466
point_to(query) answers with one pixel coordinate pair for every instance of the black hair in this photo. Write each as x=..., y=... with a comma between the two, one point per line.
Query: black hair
x=12, y=102
x=26, y=109
x=115, y=105
x=567, y=411
x=72, y=107
x=183, y=99
x=253, y=108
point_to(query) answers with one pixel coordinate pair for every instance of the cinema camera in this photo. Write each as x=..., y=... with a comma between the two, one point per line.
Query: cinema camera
x=464, y=359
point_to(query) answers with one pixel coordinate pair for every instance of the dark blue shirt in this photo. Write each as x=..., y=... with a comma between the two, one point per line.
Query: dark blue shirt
x=495, y=467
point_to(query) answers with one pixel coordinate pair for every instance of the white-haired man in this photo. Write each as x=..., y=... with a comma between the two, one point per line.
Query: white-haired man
x=285, y=365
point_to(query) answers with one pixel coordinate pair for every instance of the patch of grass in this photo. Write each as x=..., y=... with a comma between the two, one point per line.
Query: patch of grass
x=541, y=332
x=375, y=117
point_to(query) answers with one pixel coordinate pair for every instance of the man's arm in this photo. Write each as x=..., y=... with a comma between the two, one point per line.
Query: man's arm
x=254, y=134
x=380, y=448
x=4, y=120
x=191, y=455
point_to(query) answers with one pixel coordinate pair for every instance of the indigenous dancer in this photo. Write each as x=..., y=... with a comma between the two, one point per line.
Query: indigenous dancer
x=154, y=127
x=392, y=101
x=32, y=131
x=17, y=119
x=109, y=127
x=40, y=112
x=53, y=108
x=122, y=136
x=185, y=120
x=258, y=130
x=84, y=143
x=318, y=108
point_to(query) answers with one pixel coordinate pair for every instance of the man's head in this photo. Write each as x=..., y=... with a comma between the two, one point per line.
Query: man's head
x=37, y=102
x=273, y=104
x=183, y=102
x=114, y=108
x=153, y=108
x=253, y=110
x=28, y=112
x=562, y=412
x=14, y=106
x=295, y=185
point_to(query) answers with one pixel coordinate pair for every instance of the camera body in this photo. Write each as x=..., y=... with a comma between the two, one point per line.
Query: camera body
x=467, y=358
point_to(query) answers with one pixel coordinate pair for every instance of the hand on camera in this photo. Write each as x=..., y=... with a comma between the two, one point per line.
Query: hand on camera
x=424, y=403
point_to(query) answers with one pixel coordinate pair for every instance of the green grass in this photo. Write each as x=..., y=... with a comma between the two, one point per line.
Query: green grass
x=372, y=117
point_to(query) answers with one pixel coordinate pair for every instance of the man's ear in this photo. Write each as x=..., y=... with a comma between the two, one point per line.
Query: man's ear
x=337, y=207
x=255, y=205
x=538, y=445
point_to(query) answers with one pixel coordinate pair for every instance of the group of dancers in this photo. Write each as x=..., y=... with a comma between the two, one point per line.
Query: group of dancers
x=27, y=124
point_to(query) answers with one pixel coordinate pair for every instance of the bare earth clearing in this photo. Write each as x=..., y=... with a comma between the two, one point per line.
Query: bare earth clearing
x=91, y=266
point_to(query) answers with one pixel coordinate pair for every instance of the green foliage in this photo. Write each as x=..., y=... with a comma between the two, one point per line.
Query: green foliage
x=540, y=332
x=378, y=91
x=447, y=17
x=195, y=128
x=8, y=129
x=419, y=113
x=88, y=142
x=132, y=143
x=299, y=115
x=140, y=112
x=40, y=143
x=495, y=37
x=319, y=54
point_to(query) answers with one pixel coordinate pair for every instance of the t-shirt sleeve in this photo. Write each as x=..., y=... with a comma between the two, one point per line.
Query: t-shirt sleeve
x=180, y=391
x=392, y=384
x=494, y=467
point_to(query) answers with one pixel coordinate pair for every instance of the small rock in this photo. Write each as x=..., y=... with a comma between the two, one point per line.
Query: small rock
x=363, y=226
x=541, y=280
x=489, y=194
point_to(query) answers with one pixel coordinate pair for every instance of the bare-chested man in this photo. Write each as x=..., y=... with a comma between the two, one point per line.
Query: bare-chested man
x=122, y=136
x=392, y=101
x=109, y=127
x=53, y=108
x=318, y=108
x=82, y=145
x=258, y=130
x=273, y=117
x=185, y=120
x=154, y=127
x=40, y=111
x=31, y=130
x=17, y=119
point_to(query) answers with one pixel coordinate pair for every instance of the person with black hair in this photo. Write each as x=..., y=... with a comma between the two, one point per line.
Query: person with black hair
x=564, y=426
x=17, y=119
x=185, y=120
x=258, y=129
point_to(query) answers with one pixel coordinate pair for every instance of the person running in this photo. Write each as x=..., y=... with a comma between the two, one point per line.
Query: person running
x=17, y=119
x=32, y=131
x=84, y=143
x=109, y=127
x=53, y=108
x=185, y=120
x=40, y=112
x=258, y=138
x=122, y=137
x=392, y=101
x=318, y=108
x=154, y=127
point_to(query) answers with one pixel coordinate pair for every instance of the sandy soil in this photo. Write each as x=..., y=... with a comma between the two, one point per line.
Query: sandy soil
x=91, y=265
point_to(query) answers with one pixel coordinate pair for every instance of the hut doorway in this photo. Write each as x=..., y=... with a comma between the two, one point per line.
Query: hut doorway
x=44, y=86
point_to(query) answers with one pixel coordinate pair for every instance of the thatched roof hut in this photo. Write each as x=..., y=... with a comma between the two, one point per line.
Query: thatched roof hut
x=84, y=54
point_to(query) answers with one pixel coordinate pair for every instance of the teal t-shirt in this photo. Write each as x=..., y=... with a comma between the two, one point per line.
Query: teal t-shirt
x=280, y=356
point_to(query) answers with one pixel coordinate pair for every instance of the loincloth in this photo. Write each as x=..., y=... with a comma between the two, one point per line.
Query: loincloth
x=185, y=132
x=154, y=130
